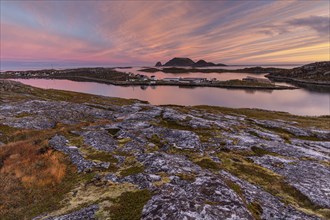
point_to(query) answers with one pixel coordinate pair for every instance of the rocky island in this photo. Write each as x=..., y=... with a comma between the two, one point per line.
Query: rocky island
x=179, y=61
x=314, y=73
x=67, y=155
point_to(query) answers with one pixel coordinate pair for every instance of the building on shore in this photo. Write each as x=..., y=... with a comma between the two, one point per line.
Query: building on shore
x=172, y=79
x=194, y=80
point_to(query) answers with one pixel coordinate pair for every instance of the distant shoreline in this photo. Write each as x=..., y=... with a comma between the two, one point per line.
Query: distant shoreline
x=115, y=77
x=221, y=84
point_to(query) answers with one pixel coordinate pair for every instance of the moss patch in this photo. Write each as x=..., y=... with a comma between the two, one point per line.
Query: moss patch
x=321, y=122
x=23, y=114
x=207, y=163
x=129, y=205
x=260, y=151
x=256, y=209
x=92, y=154
x=187, y=177
x=132, y=170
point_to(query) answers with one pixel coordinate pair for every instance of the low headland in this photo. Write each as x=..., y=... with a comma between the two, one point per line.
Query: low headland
x=314, y=73
x=68, y=155
x=114, y=77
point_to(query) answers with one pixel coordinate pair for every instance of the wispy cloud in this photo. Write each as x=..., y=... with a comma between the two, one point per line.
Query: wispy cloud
x=142, y=32
x=320, y=24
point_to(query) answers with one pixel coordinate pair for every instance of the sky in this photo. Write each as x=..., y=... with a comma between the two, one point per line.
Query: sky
x=134, y=33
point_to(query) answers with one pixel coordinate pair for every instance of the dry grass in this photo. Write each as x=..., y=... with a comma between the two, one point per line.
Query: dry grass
x=31, y=166
x=32, y=180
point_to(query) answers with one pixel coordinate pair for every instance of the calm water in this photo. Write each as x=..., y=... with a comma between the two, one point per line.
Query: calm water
x=300, y=101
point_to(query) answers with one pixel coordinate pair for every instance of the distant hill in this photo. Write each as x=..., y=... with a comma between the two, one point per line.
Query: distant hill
x=313, y=72
x=179, y=61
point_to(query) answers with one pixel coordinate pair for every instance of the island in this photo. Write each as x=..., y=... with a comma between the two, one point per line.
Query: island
x=314, y=73
x=180, y=61
x=68, y=155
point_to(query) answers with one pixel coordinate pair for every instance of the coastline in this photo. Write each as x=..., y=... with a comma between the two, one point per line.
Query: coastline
x=221, y=84
x=289, y=79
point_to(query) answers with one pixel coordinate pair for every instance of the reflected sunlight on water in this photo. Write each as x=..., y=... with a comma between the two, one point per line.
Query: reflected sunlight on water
x=299, y=101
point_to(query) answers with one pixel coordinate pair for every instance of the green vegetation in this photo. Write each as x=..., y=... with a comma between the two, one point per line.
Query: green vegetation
x=113, y=131
x=261, y=152
x=92, y=154
x=255, y=209
x=129, y=205
x=237, y=82
x=322, y=122
x=187, y=177
x=23, y=114
x=207, y=163
x=155, y=139
x=132, y=170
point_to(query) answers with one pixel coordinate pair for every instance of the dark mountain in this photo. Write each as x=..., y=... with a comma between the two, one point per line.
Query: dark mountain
x=158, y=64
x=202, y=63
x=178, y=61
x=220, y=64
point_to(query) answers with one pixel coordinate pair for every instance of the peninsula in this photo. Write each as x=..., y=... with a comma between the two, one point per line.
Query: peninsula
x=314, y=73
x=114, y=77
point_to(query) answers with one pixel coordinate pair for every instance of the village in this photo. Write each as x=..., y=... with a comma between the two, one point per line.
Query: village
x=111, y=76
x=191, y=80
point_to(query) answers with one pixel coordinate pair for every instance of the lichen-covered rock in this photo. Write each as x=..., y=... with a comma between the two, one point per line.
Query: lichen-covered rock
x=84, y=213
x=100, y=140
x=206, y=198
x=310, y=178
x=60, y=143
x=195, y=163
x=37, y=114
x=272, y=207
x=170, y=164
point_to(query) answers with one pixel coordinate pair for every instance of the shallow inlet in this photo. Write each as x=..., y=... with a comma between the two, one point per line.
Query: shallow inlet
x=299, y=101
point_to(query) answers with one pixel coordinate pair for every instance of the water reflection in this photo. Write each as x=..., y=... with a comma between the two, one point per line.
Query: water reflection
x=300, y=101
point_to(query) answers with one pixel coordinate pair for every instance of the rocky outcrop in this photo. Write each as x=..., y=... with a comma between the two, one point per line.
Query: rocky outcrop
x=314, y=73
x=203, y=63
x=158, y=64
x=61, y=144
x=177, y=61
x=197, y=163
x=84, y=213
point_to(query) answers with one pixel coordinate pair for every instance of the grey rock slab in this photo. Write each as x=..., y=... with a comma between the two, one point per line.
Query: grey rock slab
x=206, y=198
x=170, y=164
x=100, y=140
x=310, y=178
x=84, y=213
x=59, y=143
x=272, y=207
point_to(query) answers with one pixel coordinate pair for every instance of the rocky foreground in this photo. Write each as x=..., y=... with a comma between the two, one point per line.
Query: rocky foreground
x=66, y=155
